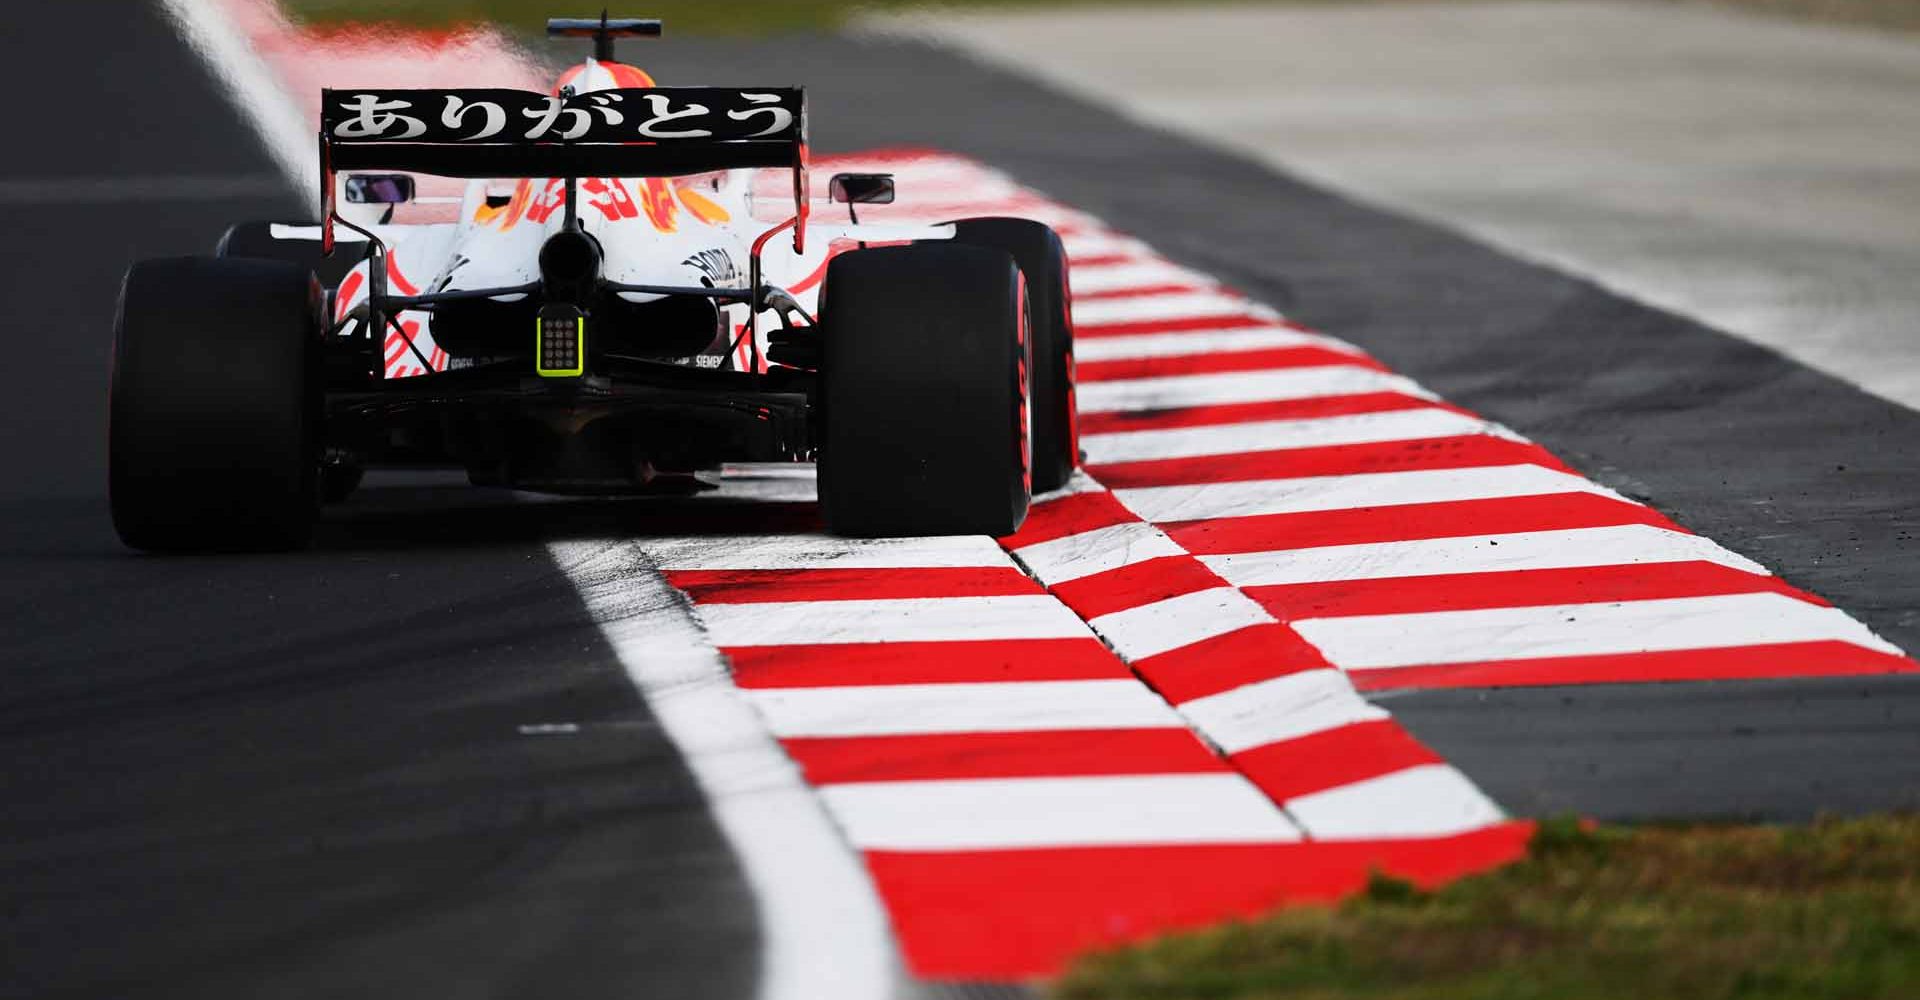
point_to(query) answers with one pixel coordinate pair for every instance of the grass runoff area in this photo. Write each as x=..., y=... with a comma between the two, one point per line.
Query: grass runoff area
x=738, y=17
x=1828, y=911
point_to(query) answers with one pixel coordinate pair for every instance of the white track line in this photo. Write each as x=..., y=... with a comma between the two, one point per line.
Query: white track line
x=1438, y=637
x=1274, y=385
x=1278, y=435
x=1002, y=813
x=1564, y=549
x=913, y=619
x=1374, y=489
x=824, y=932
x=999, y=707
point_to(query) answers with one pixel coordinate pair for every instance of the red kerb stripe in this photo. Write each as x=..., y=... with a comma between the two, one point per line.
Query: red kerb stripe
x=833, y=760
x=1333, y=758
x=1069, y=515
x=1225, y=662
x=923, y=663
x=759, y=586
x=1135, y=585
x=1022, y=913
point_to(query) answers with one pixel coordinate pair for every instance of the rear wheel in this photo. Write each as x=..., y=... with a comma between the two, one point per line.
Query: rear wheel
x=1043, y=259
x=256, y=239
x=214, y=420
x=923, y=392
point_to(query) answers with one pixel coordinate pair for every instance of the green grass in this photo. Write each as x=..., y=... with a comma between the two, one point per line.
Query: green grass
x=765, y=16
x=682, y=16
x=1754, y=913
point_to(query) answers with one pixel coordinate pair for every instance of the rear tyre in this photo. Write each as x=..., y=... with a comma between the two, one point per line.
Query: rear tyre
x=256, y=239
x=923, y=383
x=1043, y=259
x=214, y=419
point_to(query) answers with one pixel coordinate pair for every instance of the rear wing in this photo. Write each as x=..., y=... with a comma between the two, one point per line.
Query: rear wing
x=633, y=132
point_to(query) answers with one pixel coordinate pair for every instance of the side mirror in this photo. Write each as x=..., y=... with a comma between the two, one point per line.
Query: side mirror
x=861, y=189
x=379, y=189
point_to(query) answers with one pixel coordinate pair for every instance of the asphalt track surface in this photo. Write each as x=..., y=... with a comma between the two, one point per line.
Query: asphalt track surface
x=307, y=776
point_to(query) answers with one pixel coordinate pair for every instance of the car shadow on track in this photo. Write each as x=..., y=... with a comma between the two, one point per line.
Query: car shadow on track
x=410, y=511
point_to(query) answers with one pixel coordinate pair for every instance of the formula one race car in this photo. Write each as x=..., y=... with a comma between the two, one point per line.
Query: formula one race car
x=615, y=322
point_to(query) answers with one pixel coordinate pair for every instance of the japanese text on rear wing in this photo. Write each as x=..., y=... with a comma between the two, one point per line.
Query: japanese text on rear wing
x=654, y=114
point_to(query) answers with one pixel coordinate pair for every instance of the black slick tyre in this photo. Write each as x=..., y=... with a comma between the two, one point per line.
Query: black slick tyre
x=1043, y=259
x=923, y=383
x=256, y=239
x=214, y=416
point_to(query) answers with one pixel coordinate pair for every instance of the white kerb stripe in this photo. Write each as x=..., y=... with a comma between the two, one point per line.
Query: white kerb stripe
x=1621, y=545
x=928, y=619
x=1278, y=435
x=1436, y=637
x=822, y=552
x=1213, y=388
x=1134, y=274
x=1372, y=489
x=995, y=707
x=1156, y=307
x=1196, y=342
x=1074, y=556
x=1281, y=708
x=1151, y=629
x=825, y=933
x=1432, y=800
x=998, y=707
x=1056, y=812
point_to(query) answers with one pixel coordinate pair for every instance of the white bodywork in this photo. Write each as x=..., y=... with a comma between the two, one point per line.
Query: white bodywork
x=688, y=231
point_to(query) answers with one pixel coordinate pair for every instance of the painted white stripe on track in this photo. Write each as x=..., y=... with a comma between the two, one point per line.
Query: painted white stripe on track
x=1280, y=708
x=1002, y=813
x=1134, y=274
x=919, y=619
x=1569, y=549
x=1438, y=637
x=823, y=931
x=1373, y=489
x=1097, y=551
x=1157, y=307
x=1216, y=388
x=1001, y=707
x=1151, y=629
x=1191, y=343
x=1278, y=435
x=1432, y=800
x=776, y=552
